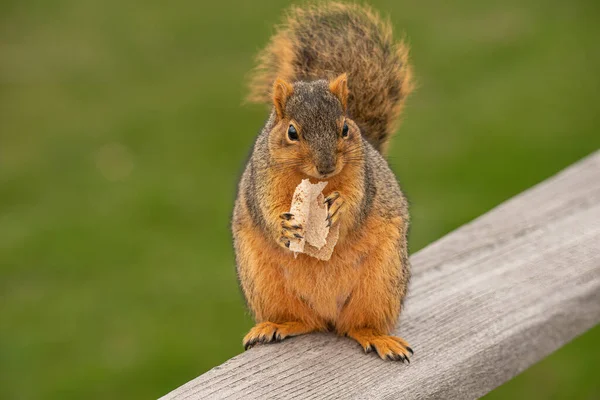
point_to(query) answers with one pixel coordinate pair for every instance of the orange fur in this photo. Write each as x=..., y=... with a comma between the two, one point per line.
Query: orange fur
x=387, y=347
x=350, y=292
x=281, y=92
x=265, y=332
x=339, y=87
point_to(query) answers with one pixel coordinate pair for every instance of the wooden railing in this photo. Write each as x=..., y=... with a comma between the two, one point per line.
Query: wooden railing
x=486, y=302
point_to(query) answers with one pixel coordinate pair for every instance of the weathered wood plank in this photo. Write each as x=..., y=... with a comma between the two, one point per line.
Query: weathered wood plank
x=486, y=302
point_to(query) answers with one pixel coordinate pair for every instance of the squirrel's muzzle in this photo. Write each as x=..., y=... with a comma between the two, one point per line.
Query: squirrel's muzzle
x=326, y=170
x=326, y=165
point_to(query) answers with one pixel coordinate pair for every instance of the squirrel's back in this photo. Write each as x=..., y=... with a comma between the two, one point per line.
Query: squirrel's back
x=325, y=40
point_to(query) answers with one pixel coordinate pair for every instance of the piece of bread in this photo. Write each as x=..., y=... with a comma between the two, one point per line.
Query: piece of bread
x=325, y=252
x=310, y=211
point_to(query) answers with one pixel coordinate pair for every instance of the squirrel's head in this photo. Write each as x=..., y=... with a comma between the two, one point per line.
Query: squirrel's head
x=312, y=132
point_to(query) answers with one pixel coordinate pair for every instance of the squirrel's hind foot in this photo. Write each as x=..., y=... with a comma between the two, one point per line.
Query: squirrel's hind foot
x=387, y=347
x=268, y=332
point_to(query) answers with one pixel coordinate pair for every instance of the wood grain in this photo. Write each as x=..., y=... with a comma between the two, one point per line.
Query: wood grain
x=486, y=302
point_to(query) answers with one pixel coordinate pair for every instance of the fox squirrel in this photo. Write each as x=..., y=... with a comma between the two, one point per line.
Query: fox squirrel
x=336, y=82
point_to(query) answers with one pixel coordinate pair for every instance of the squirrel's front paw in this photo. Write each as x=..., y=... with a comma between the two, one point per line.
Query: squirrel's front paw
x=334, y=204
x=291, y=230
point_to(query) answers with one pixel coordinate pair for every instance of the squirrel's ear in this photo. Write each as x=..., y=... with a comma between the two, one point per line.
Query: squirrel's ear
x=281, y=92
x=339, y=87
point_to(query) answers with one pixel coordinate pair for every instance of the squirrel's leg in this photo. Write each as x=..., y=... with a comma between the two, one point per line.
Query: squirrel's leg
x=279, y=315
x=278, y=311
x=374, y=305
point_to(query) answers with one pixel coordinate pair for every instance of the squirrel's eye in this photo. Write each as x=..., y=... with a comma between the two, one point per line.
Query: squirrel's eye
x=345, y=130
x=292, y=133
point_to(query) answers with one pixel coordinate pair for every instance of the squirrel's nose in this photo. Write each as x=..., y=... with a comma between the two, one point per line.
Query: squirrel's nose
x=326, y=169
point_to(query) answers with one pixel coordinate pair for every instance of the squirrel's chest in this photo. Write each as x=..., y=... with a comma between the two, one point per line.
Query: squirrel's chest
x=323, y=286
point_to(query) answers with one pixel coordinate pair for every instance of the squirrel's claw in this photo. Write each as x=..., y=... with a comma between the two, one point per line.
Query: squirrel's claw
x=270, y=332
x=291, y=230
x=286, y=216
x=285, y=242
x=334, y=203
x=387, y=347
x=331, y=198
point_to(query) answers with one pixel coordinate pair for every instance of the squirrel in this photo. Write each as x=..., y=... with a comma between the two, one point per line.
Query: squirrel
x=336, y=82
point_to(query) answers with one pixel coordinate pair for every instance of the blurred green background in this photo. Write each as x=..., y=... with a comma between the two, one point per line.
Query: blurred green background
x=122, y=135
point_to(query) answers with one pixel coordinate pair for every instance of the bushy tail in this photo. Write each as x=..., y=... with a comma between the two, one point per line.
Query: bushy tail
x=322, y=41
